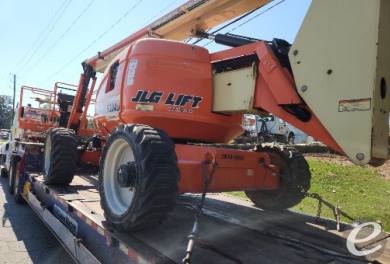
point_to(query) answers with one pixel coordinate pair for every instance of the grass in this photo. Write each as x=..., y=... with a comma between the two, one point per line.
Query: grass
x=359, y=191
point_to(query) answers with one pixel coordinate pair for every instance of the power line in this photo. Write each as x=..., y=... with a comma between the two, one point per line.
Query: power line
x=135, y=5
x=62, y=12
x=53, y=25
x=230, y=23
x=23, y=58
x=97, y=39
x=257, y=15
x=162, y=11
x=249, y=20
x=55, y=43
x=13, y=101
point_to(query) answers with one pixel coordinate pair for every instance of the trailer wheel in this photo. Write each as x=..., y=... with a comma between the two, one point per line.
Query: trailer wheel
x=10, y=180
x=60, y=156
x=138, y=177
x=15, y=181
x=12, y=171
x=295, y=181
x=4, y=172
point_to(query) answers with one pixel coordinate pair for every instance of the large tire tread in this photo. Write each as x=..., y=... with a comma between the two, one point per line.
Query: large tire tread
x=295, y=181
x=17, y=195
x=63, y=160
x=155, y=155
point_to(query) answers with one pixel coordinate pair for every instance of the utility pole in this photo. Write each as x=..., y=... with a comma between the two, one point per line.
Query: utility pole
x=13, y=102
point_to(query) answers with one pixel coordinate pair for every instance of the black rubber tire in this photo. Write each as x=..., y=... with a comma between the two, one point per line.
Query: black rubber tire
x=291, y=139
x=63, y=156
x=15, y=182
x=157, y=177
x=295, y=181
x=11, y=180
x=377, y=162
x=3, y=172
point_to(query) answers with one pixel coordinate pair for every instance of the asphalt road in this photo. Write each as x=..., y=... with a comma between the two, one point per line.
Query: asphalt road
x=23, y=236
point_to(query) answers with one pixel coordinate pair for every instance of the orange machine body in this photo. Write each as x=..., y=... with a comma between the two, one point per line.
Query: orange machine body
x=40, y=119
x=167, y=85
x=32, y=119
x=35, y=121
x=229, y=169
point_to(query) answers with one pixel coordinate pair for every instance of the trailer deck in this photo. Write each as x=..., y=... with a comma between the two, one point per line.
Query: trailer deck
x=231, y=231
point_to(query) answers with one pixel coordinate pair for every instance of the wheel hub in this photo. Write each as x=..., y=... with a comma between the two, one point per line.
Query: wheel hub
x=126, y=175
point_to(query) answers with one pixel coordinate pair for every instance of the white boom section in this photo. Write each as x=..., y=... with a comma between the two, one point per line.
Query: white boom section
x=341, y=65
x=201, y=15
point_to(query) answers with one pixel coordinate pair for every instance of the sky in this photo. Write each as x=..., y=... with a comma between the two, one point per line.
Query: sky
x=45, y=41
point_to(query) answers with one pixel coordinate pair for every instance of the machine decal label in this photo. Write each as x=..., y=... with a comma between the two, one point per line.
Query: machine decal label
x=131, y=71
x=232, y=156
x=66, y=219
x=144, y=107
x=355, y=105
x=146, y=97
x=182, y=100
x=175, y=102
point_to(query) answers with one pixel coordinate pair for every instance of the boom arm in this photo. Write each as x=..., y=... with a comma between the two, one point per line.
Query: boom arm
x=341, y=66
x=181, y=23
x=336, y=89
x=332, y=84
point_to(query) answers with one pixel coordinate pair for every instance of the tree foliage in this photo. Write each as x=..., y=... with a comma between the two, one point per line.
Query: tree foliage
x=6, y=111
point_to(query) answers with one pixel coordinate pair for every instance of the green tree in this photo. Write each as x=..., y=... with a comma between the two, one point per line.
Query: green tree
x=6, y=111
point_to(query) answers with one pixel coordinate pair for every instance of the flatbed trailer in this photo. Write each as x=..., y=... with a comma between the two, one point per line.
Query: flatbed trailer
x=231, y=230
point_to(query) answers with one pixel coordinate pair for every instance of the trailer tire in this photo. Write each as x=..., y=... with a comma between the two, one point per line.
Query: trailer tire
x=145, y=171
x=11, y=179
x=15, y=181
x=60, y=156
x=3, y=172
x=294, y=185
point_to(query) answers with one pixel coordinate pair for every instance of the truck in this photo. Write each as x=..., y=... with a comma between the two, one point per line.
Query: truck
x=165, y=111
x=4, y=146
x=271, y=129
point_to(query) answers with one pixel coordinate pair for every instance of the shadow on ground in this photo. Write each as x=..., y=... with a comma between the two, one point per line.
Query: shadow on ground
x=23, y=236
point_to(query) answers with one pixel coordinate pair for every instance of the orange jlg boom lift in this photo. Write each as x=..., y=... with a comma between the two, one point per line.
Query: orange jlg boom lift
x=162, y=104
